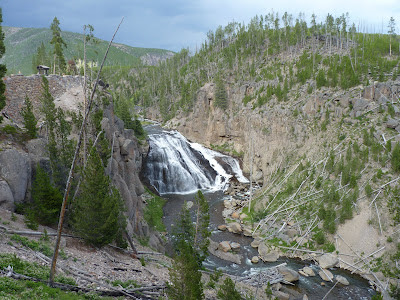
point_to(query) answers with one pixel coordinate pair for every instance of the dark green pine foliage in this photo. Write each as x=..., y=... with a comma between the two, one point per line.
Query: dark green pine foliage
x=47, y=199
x=30, y=120
x=40, y=58
x=221, y=96
x=123, y=112
x=396, y=158
x=190, y=245
x=3, y=68
x=49, y=111
x=227, y=291
x=58, y=44
x=97, y=212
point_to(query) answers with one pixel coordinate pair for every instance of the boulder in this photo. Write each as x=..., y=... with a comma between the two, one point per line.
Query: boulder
x=291, y=232
x=328, y=260
x=235, y=227
x=6, y=196
x=235, y=246
x=255, y=243
x=224, y=246
x=325, y=275
x=235, y=215
x=255, y=259
x=392, y=123
x=289, y=274
x=243, y=216
x=309, y=271
x=16, y=171
x=128, y=148
x=266, y=254
x=247, y=231
x=228, y=256
x=227, y=204
x=227, y=212
x=342, y=280
x=222, y=227
x=281, y=295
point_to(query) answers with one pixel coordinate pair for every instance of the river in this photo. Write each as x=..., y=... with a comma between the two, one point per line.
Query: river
x=177, y=168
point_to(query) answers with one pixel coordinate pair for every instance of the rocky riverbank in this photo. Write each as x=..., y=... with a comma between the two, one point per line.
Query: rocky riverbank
x=274, y=247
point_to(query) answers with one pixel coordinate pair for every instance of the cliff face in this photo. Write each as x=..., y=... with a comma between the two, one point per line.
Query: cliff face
x=267, y=136
x=19, y=159
x=124, y=167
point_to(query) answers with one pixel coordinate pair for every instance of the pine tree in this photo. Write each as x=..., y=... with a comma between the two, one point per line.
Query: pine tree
x=227, y=291
x=58, y=43
x=29, y=118
x=40, y=58
x=221, y=97
x=396, y=158
x=3, y=68
x=185, y=273
x=46, y=199
x=98, y=209
x=190, y=244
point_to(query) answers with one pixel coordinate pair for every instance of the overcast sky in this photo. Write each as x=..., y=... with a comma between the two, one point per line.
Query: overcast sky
x=177, y=24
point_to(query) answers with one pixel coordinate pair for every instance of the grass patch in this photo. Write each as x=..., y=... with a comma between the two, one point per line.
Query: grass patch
x=153, y=212
x=34, y=245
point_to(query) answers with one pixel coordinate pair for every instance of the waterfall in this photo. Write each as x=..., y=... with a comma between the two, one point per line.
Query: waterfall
x=176, y=166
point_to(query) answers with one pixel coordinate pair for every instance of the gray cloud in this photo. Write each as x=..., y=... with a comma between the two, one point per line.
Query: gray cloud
x=175, y=24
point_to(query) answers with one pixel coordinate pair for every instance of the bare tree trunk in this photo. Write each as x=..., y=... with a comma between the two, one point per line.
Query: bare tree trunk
x=84, y=91
x=71, y=171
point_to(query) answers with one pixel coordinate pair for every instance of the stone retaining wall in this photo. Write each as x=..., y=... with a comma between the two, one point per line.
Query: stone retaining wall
x=19, y=86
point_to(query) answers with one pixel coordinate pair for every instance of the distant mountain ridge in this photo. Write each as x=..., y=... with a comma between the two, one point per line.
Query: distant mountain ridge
x=22, y=43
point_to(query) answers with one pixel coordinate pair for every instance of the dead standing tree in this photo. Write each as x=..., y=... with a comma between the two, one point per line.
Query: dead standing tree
x=71, y=172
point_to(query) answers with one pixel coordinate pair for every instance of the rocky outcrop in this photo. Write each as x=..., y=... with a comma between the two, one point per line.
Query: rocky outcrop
x=276, y=128
x=15, y=172
x=214, y=249
x=124, y=167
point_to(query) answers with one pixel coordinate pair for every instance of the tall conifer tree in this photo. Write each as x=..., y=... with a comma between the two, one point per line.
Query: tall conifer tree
x=58, y=43
x=98, y=209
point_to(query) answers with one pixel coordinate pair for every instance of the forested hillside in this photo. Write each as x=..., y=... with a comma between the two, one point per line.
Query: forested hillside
x=23, y=43
x=282, y=53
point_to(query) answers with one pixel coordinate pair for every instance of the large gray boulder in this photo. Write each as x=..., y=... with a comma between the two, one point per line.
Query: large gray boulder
x=327, y=261
x=234, y=227
x=266, y=254
x=325, y=275
x=289, y=274
x=6, y=196
x=213, y=248
x=392, y=123
x=16, y=171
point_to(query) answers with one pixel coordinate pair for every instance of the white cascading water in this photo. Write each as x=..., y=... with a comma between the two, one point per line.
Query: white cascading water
x=176, y=166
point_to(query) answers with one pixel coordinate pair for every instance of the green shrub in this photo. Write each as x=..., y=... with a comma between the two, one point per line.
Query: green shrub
x=368, y=190
x=396, y=158
x=227, y=291
x=153, y=213
x=9, y=129
x=47, y=200
x=319, y=237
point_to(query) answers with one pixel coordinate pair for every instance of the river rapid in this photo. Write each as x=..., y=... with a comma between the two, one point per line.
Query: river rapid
x=177, y=168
